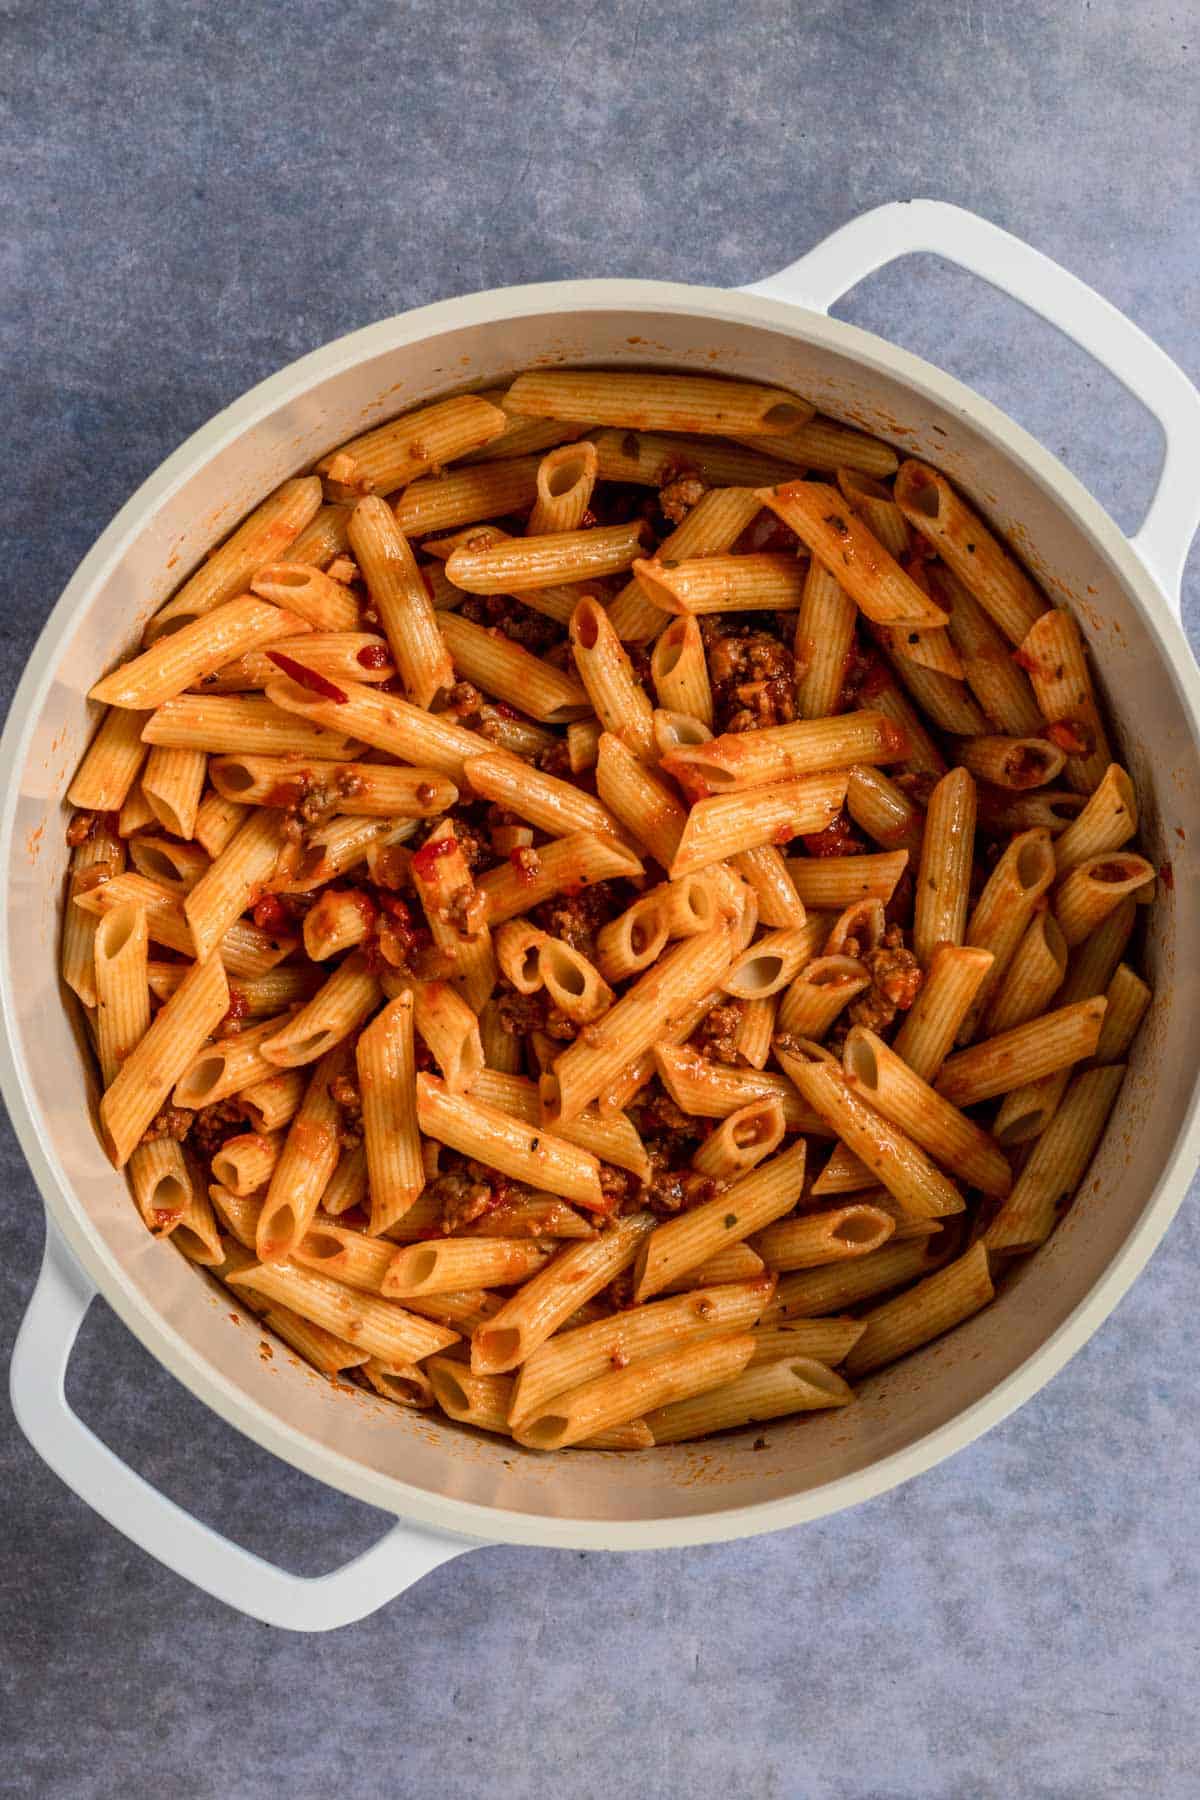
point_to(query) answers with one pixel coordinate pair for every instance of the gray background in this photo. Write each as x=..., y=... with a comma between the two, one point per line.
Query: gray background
x=198, y=194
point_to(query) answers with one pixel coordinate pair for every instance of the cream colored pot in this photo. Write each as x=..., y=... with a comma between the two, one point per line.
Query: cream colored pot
x=446, y=1488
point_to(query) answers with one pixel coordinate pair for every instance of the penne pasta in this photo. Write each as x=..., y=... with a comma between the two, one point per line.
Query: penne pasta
x=813, y=1239
x=998, y=1064
x=897, y=1163
x=743, y=1140
x=1128, y=998
x=411, y=445
x=773, y=1390
x=457, y=1263
x=380, y=1327
x=1057, y=1162
x=943, y=879
x=511, y=674
x=1034, y=975
x=139, y=1090
x=172, y=783
x=824, y=444
x=696, y=1236
x=303, y=589
x=1053, y=656
x=262, y=538
x=304, y=1165
x=517, y=565
x=1011, y=762
x=111, y=762
x=543, y=1158
x=910, y=1103
x=811, y=1293
x=754, y=759
x=1004, y=910
x=645, y=402
x=923, y=1313
x=624, y=1394
x=386, y=1074
x=1095, y=888
x=721, y=584
x=999, y=685
x=729, y=824
x=830, y=883
x=840, y=540
x=549, y=1299
x=573, y=862
x=965, y=544
x=178, y=659
x=824, y=636
x=337, y=1008
x=1106, y=822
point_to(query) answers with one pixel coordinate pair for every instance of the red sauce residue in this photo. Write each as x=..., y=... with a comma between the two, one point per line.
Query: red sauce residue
x=239, y=1005
x=165, y=1215
x=784, y=835
x=1071, y=736
x=374, y=656
x=895, y=739
x=271, y=915
x=286, y=793
x=426, y=859
x=876, y=681
x=1166, y=875
x=526, y=864
x=839, y=838
x=766, y=532
x=308, y=678
x=503, y=710
x=1023, y=660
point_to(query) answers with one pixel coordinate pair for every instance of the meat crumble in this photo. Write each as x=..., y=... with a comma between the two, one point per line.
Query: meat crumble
x=753, y=681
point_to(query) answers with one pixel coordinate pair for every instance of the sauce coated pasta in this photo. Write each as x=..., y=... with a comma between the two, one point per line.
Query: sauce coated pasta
x=605, y=910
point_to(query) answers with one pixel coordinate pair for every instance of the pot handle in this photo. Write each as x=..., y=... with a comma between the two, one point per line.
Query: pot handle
x=193, y=1550
x=906, y=227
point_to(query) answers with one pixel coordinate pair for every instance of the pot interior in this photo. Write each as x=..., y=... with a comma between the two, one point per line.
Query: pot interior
x=409, y=1461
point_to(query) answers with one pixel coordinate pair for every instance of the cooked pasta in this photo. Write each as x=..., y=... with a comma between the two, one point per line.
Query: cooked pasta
x=590, y=884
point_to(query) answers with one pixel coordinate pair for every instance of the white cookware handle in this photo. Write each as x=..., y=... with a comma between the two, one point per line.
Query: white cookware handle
x=202, y=1556
x=906, y=227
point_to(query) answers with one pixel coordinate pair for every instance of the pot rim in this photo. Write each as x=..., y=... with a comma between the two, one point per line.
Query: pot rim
x=391, y=1493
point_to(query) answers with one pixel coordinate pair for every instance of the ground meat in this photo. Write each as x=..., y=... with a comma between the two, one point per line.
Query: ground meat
x=680, y=488
x=658, y=1113
x=674, y=1187
x=556, y=759
x=918, y=786
x=521, y=1014
x=214, y=1124
x=344, y=1092
x=526, y=862
x=767, y=532
x=171, y=1122
x=861, y=666
x=466, y=1190
x=839, y=838
x=895, y=983
x=464, y=700
x=503, y=613
x=576, y=918
x=753, y=681
x=718, y=1032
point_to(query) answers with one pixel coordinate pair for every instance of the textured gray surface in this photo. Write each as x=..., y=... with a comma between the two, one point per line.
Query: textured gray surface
x=199, y=194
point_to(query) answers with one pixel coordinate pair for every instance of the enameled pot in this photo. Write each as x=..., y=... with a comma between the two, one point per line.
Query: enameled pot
x=447, y=1488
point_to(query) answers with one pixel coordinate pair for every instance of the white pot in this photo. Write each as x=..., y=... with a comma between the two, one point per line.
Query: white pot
x=448, y=1488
